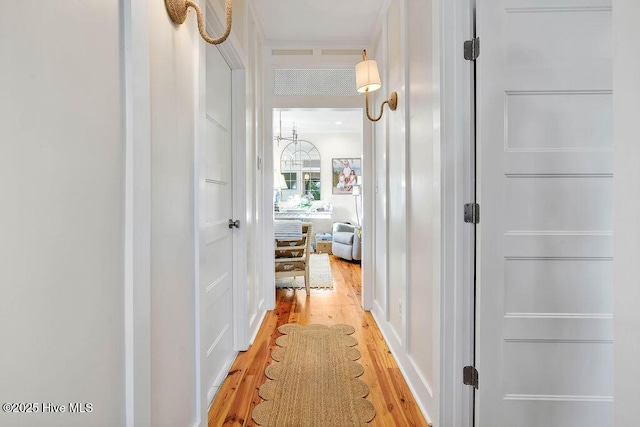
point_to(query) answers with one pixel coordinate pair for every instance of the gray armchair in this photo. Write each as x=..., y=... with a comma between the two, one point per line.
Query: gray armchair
x=346, y=241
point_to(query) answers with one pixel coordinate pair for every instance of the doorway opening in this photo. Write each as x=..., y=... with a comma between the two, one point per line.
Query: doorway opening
x=318, y=176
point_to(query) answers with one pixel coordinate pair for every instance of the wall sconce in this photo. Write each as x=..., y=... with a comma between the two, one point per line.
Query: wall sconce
x=368, y=80
x=178, y=12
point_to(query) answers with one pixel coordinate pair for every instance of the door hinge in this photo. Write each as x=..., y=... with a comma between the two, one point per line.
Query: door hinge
x=472, y=213
x=472, y=49
x=470, y=376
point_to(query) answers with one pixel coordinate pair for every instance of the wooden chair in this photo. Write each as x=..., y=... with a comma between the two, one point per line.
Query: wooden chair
x=292, y=257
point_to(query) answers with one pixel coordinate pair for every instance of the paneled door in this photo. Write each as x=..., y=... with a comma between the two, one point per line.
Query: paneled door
x=544, y=273
x=216, y=238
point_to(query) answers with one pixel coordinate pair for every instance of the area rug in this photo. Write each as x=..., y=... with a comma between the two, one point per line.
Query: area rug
x=319, y=274
x=314, y=380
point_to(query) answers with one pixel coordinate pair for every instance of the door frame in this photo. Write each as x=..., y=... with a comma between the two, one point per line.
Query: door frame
x=271, y=63
x=231, y=51
x=366, y=197
x=457, y=297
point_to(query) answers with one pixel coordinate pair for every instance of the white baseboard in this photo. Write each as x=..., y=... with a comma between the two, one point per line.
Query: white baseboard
x=217, y=383
x=411, y=375
x=254, y=332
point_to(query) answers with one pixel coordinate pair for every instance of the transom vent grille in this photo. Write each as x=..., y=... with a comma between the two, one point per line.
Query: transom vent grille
x=318, y=82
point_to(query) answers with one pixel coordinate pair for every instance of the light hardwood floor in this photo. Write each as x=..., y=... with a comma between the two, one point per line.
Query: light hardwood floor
x=389, y=393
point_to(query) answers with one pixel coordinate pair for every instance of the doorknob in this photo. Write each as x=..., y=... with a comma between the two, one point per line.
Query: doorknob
x=235, y=223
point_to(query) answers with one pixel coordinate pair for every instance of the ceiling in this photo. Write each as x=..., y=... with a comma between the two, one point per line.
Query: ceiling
x=317, y=120
x=347, y=21
x=332, y=22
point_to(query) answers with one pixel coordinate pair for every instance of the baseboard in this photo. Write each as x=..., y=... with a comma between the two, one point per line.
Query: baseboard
x=217, y=383
x=253, y=333
x=409, y=372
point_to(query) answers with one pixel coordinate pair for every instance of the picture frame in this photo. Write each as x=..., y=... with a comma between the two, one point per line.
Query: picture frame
x=345, y=173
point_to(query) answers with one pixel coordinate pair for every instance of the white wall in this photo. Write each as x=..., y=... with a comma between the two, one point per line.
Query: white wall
x=253, y=46
x=407, y=155
x=330, y=146
x=62, y=192
x=626, y=94
x=423, y=194
x=173, y=63
x=99, y=121
x=176, y=75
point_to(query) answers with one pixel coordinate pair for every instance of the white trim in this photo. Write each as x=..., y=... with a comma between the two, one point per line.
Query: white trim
x=368, y=225
x=200, y=120
x=385, y=55
x=379, y=242
x=317, y=44
x=381, y=21
x=137, y=250
x=257, y=24
x=231, y=50
x=456, y=400
x=217, y=383
x=268, y=278
x=254, y=332
x=368, y=193
x=406, y=294
x=270, y=102
x=238, y=132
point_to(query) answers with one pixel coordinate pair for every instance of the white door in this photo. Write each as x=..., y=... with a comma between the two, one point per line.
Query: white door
x=544, y=289
x=216, y=238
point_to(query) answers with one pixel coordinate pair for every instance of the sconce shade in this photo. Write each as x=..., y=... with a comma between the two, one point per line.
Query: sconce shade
x=367, y=76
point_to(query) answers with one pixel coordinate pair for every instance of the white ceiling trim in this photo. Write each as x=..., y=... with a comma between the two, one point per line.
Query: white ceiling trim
x=254, y=15
x=318, y=44
x=232, y=50
x=382, y=16
x=332, y=23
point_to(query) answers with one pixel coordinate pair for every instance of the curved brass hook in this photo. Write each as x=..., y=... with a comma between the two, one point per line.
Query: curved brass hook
x=392, y=102
x=178, y=12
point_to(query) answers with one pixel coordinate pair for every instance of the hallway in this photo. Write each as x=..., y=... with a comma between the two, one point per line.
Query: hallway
x=388, y=390
x=501, y=233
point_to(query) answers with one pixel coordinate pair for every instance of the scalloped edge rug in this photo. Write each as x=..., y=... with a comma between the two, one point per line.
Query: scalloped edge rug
x=314, y=380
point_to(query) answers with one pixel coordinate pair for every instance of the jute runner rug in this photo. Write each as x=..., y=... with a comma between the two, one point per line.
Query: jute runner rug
x=314, y=382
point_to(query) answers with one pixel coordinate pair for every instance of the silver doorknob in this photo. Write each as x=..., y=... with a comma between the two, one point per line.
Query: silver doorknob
x=235, y=223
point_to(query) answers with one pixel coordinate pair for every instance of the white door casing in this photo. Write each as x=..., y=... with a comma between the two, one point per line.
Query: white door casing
x=216, y=238
x=544, y=289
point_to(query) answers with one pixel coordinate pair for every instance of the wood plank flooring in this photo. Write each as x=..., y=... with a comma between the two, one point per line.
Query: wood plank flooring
x=389, y=393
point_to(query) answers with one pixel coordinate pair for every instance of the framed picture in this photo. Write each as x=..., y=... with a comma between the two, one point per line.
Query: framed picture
x=345, y=173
